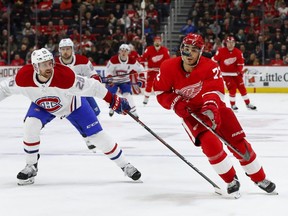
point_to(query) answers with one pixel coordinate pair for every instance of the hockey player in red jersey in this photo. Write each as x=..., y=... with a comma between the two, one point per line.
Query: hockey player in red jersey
x=231, y=62
x=154, y=55
x=56, y=91
x=118, y=69
x=192, y=83
x=79, y=64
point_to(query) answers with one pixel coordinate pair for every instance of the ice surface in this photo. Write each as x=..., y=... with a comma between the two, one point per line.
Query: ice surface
x=72, y=181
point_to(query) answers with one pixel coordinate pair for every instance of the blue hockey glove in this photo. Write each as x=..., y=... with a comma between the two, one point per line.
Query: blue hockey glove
x=119, y=105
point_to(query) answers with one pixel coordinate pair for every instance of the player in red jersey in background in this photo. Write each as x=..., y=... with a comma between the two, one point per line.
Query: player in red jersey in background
x=154, y=55
x=192, y=83
x=231, y=62
x=79, y=64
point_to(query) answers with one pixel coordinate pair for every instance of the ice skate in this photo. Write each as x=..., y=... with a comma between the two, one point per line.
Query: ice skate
x=131, y=172
x=251, y=107
x=233, y=188
x=146, y=99
x=267, y=186
x=111, y=112
x=234, y=107
x=26, y=176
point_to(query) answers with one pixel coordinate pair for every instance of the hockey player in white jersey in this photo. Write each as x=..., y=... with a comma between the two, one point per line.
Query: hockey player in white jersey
x=118, y=70
x=56, y=91
x=79, y=64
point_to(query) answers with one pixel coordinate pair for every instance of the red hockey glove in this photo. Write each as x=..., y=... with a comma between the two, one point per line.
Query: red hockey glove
x=243, y=72
x=133, y=75
x=180, y=107
x=96, y=77
x=211, y=115
x=119, y=105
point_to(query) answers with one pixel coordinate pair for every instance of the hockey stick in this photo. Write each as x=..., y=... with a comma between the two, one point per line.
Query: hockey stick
x=245, y=156
x=217, y=188
x=252, y=72
x=124, y=74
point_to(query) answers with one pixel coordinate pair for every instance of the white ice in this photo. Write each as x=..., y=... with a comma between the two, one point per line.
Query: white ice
x=72, y=181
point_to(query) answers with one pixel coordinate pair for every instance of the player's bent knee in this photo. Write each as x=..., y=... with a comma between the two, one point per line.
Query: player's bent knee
x=101, y=141
x=32, y=128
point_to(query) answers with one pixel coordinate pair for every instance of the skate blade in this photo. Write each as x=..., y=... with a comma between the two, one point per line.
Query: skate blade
x=26, y=182
x=138, y=181
x=235, y=195
x=252, y=109
x=273, y=193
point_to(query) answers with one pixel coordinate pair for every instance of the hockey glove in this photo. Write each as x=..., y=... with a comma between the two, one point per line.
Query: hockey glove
x=119, y=105
x=110, y=81
x=180, y=107
x=134, y=85
x=241, y=73
x=211, y=115
x=96, y=77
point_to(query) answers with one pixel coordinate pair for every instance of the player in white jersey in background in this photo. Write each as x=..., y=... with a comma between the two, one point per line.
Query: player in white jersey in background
x=79, y=64
x=56, y=91
x=118, y=70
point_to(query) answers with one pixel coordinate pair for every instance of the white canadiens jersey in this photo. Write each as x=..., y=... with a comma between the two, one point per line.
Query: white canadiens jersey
x=80, y=65
x=120, y=70
x=60, y=96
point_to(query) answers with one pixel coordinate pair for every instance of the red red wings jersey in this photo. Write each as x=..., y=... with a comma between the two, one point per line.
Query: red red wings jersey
x=60, y=96
x=80, y=65
x=134, y=54
x=154, y=57
x=230, y=62
x=204, y=80
x=120, y=70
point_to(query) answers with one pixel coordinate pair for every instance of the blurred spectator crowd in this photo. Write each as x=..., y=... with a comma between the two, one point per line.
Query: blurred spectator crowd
x=260, y=28
x=97, y=27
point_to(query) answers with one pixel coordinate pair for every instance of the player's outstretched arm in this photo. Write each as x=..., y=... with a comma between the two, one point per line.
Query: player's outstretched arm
x=89, y=87
x=118, y=104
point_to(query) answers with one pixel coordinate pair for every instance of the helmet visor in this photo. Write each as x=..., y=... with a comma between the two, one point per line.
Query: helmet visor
x=187, y=50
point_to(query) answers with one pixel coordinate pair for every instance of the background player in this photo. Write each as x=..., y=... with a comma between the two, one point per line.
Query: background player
x=231, y=62
x=118, y=70
x=154, y=55
x=192, y=83
x=55, y=90
x=79, y=64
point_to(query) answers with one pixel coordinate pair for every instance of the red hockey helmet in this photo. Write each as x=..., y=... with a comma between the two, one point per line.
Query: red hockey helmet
x=230, y=39
x=194, y=40
x=157, y=38
x=191, y=43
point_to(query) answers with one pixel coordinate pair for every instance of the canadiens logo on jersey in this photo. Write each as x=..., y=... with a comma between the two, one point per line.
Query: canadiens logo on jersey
x=51, y=104
x=157, y=58
x=230, y=61
x=190, y=91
